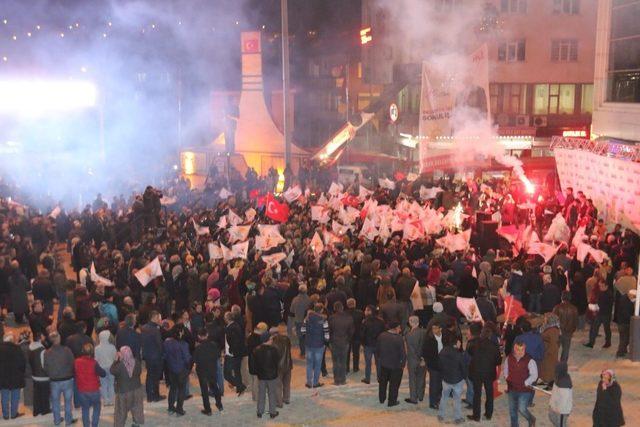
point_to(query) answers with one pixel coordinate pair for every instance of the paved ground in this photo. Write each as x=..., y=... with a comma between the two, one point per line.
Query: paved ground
x=356, y=404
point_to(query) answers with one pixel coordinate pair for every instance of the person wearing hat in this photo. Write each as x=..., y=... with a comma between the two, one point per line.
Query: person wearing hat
x=391, y=356
x=439, y=316
x=625, y=309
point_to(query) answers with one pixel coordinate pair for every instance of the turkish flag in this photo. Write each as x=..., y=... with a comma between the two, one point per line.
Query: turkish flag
x=399, y=176
x=350, y=200
x=275, y=210
x=251, y=46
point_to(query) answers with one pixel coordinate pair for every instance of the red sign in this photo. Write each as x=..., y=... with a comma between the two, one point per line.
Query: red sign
x=517, y=131
x=251, y=45
x=448, y=162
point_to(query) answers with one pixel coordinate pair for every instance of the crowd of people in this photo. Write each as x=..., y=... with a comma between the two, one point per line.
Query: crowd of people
x=243, y=319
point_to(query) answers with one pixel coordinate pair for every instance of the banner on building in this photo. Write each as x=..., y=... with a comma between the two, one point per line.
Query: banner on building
x=612, y=184
x=442, y=93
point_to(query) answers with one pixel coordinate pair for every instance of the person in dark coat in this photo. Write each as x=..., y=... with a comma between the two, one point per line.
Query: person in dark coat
x=468, y=286
x=485, y=358
x=129, y=336
x=267, y=360
x=178, y=364
x=551, y=295
x=237, y=349
x=152, y=353
x=205, y=356
x=11, y=376
x=372, y=326
x=67, y=326
x=607, y=411
x=41, y=382
x=341, y=330
x=43, y=290
x=38, y=319
x=430, y=351
x=624, y=312
x=18, y=287
x=485, y=306
x=356, y=338
x=603, y=316
x=392, y=357
x=76, y=341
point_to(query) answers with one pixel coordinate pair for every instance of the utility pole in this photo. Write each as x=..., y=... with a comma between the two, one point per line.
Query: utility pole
x=286, y=116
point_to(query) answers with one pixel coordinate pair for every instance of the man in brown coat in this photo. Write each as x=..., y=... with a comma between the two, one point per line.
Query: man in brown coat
x=283, y=344
x=568, y=315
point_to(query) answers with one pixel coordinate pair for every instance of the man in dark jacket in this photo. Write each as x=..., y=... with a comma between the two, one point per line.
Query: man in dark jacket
x=267, y=359
x=433, y=345
x=485, y=306
x=18, y=287
x=315, y=330
x=178, y=362
x=235, y=350
x=605, y=306
x=11, y=376
x=372, y=326
x=568, y=315
x=76, y=341
x=58, y=364
x=43, y=290
x=356, y=339
x=415, y=367
x=283, y=344
x=551, y=295
x=340, y=333
x=67, y=326
x=454, y=371
x=626, y=307
x=391, y=357
x=392, y=311
x=129, y=336
x=205, y=356
x=485, y=358
x=152, y=353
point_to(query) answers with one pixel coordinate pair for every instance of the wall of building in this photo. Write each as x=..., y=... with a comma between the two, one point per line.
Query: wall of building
x=617, y=120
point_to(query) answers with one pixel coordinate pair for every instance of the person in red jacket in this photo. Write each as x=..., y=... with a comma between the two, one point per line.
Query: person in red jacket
x=87, y=373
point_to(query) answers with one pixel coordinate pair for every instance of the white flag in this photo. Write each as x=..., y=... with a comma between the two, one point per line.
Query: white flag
x=97, y=279
x=226, y=252
x=368, y=230
x=239, y=233
x=222, y=222
x=429, y=193
x=320, y=214
x=250, y=214
x=322, y=200
x=214, y=251
x=149, y=272
x=455, y=242
x=224, y=194
x=363, y=193
x=201, y=230
x=240, y=250
x=339, y=229
x=330, y=238
x=292, y=194
x=469, y=308
x=335, y=189
x=168, y=201
x=386, y=183
x=234, y=219
x=412, y=176
x=273, y=259
x=316, y=244
x=55, y=212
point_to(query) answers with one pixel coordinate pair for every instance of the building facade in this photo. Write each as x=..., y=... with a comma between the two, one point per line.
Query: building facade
x=617, y=71
x=541, y=60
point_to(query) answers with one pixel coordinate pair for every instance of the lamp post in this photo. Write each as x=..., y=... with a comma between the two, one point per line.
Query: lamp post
x=286, y=123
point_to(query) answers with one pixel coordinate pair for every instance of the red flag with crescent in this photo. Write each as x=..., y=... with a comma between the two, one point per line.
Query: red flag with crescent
x=275, y=210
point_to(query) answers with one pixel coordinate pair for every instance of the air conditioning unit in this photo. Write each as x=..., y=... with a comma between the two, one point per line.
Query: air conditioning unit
x=540, y=121
x=503, y=120
x=522, y=120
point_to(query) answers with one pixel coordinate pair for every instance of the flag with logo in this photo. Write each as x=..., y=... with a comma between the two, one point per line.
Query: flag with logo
x=469, y=309
x=240, y=250
x=386, y=183
x=275, y=210
x=316, y=244
x=234, y=219
x=292, y=194
x=149, y=272
x=200, y=230
x=250, y=214
x=335, y=189
x=224, y=194
x=363, y=193
x=239, y=233
x=273, y=259
x=320, y=214
x=214, y=251
x=98, y=279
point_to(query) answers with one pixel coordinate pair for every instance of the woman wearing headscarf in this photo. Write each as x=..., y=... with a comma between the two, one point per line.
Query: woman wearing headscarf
x=129, y=392
x=608, y=409
x=561, y=401
x=550, y=332
x=105, y=356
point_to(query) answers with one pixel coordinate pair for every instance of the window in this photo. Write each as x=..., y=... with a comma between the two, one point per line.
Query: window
x=494, y=94
x=564, y=50
x=586, y=100
x=624, y=53
x=508, y=98
x=569, y=7
x=448, y=5
x=513, y=6
x=554, y=99
x=513, y=51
